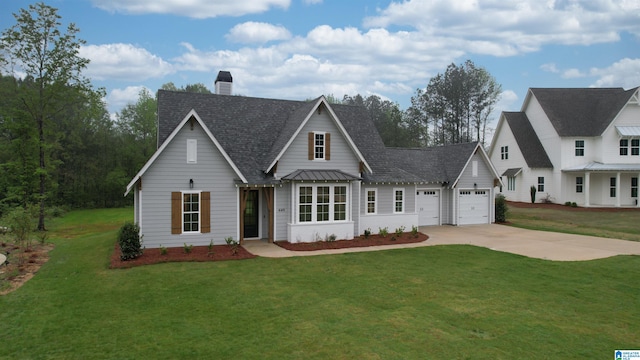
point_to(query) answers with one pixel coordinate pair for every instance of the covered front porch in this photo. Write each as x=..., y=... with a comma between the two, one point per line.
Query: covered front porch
x=604, y=185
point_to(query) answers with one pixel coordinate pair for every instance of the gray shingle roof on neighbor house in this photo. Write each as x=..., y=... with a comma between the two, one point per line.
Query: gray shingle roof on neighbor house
x=253, y=131
x=527, y=140
x=581, y=111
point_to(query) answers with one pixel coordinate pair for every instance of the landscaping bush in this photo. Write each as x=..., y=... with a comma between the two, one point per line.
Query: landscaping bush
x=533, y=194
x=501, y=208
x=129, y=241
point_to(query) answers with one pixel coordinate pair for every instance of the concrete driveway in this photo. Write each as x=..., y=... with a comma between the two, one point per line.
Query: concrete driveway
x=531, y=243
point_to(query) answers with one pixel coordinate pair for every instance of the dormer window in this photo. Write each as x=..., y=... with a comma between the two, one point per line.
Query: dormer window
x=579, y=147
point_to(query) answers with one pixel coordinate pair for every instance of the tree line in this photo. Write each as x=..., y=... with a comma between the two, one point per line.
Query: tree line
x=59, y=146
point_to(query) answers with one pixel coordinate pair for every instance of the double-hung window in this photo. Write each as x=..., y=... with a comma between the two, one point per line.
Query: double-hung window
x=579, y=183
x=635, y=146
x=579, y=147
x=624, y=147
x=318, y=145
x=504, y=152
x=398, y=201
x=372, y=204
x=612, y=187
x=322, y=203
x=634, y=187
x=190, y=212
x=541, y=183
x=511, y=183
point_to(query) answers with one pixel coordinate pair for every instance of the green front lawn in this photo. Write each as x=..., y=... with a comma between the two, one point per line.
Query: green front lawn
x=612, y=224
x=442, y=302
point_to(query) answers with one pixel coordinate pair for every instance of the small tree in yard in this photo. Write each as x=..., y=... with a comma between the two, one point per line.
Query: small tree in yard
x=533, y=194
x=129, y=241
x=501, y=208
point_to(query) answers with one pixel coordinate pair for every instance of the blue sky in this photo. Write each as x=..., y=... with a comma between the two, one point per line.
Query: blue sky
x=300, y=49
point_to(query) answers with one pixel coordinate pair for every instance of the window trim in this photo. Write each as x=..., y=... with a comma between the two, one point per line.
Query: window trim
x=396, y=202
x=579, y=148
x=374, y=202
x=315, y=204
x=511, y=183
x=579, y=184
x=624, y=148
x=635, y=146
x=540, y=183
x=199, y=212
x=613, y=184
x=504, y=152
x=634, y=187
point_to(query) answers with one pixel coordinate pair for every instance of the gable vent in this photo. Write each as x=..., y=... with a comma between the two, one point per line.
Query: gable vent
x=224, y=82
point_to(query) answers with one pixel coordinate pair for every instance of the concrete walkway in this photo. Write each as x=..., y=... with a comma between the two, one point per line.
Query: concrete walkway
x=531, y=243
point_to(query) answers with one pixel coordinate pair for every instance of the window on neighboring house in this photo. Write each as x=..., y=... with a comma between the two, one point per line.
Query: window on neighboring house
x=635, y=146
x=398, y=200
x=372, y=195
x=190, y=212
x=612, y=187
x=541, y=183
x=579, y=183
x=319, y=146
x=192, y=151
x=504, y=152
x=315, y=203
x=634, y=187
x=511, y=183
x=579, y=147
x=624, y=147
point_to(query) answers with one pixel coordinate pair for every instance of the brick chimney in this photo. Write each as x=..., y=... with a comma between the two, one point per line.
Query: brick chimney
x=224, y=83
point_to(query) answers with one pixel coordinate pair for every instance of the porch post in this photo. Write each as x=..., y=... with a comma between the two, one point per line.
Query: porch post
x=586, y=188
x=638, y=197
x=268, y=193
x=618, y=189
x=243, y=206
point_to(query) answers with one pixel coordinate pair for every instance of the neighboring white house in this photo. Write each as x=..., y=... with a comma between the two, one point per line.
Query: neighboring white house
x=254, y=168
x=577, y=145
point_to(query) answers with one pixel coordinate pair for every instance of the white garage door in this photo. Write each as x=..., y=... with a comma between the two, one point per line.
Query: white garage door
x=473, y=207
x=428, y=207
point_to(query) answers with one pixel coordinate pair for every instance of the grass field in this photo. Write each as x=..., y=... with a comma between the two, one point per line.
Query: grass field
x=618, y=225
x=441, y=302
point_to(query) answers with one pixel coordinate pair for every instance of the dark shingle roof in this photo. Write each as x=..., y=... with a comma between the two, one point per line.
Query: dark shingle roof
x=527, y=140
x=581, y=111
x=253, y=131
x=512, y=172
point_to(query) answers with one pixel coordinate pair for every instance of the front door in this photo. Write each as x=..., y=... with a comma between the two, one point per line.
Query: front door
x=252, y=215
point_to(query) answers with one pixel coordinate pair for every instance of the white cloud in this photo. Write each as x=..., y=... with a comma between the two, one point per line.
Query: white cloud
x=119, y=98
x=572, y=74
x=624, y=73
x=257, y=32
x=199, y=9
x=312, y=2
x=123, y=62
x=507, y=28
x=550, y=67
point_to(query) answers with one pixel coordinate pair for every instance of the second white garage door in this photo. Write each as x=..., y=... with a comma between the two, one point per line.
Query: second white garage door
x=428, y=207
x=473, y=207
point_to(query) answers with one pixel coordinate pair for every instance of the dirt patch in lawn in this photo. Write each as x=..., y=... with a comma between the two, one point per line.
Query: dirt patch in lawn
x=178, y=254
x=22, y=264
x=529, y=205
x=360, y=241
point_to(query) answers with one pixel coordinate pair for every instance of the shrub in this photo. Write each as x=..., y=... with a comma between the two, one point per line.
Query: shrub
x=573, y=204
x=20, y=222
x=501, y=208
x=414, y=231
x=233, y=243
x=163, y=250
x=383, y=231
x=130, y=241
x=187, y=248
x=567, y=203
x=367, y=233
x=532, y=190
x=399, y=231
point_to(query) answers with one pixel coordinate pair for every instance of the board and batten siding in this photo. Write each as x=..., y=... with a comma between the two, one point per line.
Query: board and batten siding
x=171, y=173
x=297, y=155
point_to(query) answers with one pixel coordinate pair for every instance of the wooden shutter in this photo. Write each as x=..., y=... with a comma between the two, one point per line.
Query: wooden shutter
x=205, y=212
x=176, y=213
x=312, y=140
x=327, y=146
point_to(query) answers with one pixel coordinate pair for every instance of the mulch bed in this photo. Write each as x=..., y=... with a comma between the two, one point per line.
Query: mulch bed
x=177, y=254
x=360, y=241
x=529, y=205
